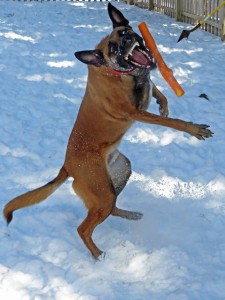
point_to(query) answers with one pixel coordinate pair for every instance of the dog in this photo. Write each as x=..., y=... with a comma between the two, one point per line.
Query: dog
x=118, y=93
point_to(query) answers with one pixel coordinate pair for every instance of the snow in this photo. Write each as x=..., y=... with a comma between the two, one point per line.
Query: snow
x=177, y=251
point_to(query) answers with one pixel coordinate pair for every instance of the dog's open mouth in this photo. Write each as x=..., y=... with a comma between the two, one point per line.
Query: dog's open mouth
x=140, y=57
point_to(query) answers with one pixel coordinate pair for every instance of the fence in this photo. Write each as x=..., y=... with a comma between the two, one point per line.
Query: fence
x=189, y=11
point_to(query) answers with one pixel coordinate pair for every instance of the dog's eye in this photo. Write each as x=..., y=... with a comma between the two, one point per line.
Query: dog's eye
x=113, y=48
x=123, y=32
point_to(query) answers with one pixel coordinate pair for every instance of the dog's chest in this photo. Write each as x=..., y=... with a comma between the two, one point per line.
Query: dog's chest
x=142, y=92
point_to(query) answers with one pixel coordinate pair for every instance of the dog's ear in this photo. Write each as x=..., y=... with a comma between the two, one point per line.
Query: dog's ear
x=116, y=16
x=91, y=57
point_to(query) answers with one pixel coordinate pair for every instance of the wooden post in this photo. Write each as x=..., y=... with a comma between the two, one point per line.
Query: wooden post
x=223, y=24
x=151, y=4
x=179, y=9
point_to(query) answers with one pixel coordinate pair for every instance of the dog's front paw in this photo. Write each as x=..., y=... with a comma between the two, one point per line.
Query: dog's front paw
x=201, y=131
x=163, y=109
x=164, y=112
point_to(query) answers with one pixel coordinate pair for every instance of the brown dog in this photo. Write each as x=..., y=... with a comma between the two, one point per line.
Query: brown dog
x=117, y=94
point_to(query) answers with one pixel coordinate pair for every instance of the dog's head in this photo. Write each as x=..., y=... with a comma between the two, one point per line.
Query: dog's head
x=123, y=51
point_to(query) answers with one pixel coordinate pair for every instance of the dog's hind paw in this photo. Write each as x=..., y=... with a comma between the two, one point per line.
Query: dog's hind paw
x=133, y=215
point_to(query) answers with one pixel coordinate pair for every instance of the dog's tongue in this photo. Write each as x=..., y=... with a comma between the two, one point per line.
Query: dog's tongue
x=139, y=57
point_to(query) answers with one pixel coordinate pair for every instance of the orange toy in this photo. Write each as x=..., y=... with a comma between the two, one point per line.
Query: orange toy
x=166, y=72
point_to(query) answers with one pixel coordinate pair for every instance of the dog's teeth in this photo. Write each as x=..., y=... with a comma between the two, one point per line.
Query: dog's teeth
x=132, y=48
x=130, y=53
x=136, y=64
x=126, y=57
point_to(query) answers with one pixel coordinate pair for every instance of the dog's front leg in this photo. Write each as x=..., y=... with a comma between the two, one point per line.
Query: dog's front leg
x=161, y=100
x=200, y=131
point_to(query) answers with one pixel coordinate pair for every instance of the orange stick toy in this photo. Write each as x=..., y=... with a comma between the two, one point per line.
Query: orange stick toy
x=166, y=72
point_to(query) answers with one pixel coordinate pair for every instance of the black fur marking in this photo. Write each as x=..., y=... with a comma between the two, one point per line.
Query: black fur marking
x=9, y=218
x=141, y=92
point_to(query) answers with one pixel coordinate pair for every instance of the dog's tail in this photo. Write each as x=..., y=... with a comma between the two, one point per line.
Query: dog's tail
x=35, y=196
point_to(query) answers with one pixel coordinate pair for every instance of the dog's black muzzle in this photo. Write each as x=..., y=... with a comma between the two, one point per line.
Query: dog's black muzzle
x=131, y=51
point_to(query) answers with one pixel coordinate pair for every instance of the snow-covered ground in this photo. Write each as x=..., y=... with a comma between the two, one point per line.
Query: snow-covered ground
x=177, y=251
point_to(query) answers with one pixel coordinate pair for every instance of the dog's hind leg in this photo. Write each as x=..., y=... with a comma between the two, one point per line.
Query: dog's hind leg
x=119, y=168
x=94, y=187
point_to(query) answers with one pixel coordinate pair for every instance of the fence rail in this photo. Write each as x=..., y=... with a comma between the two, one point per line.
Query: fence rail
x=189, y=11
